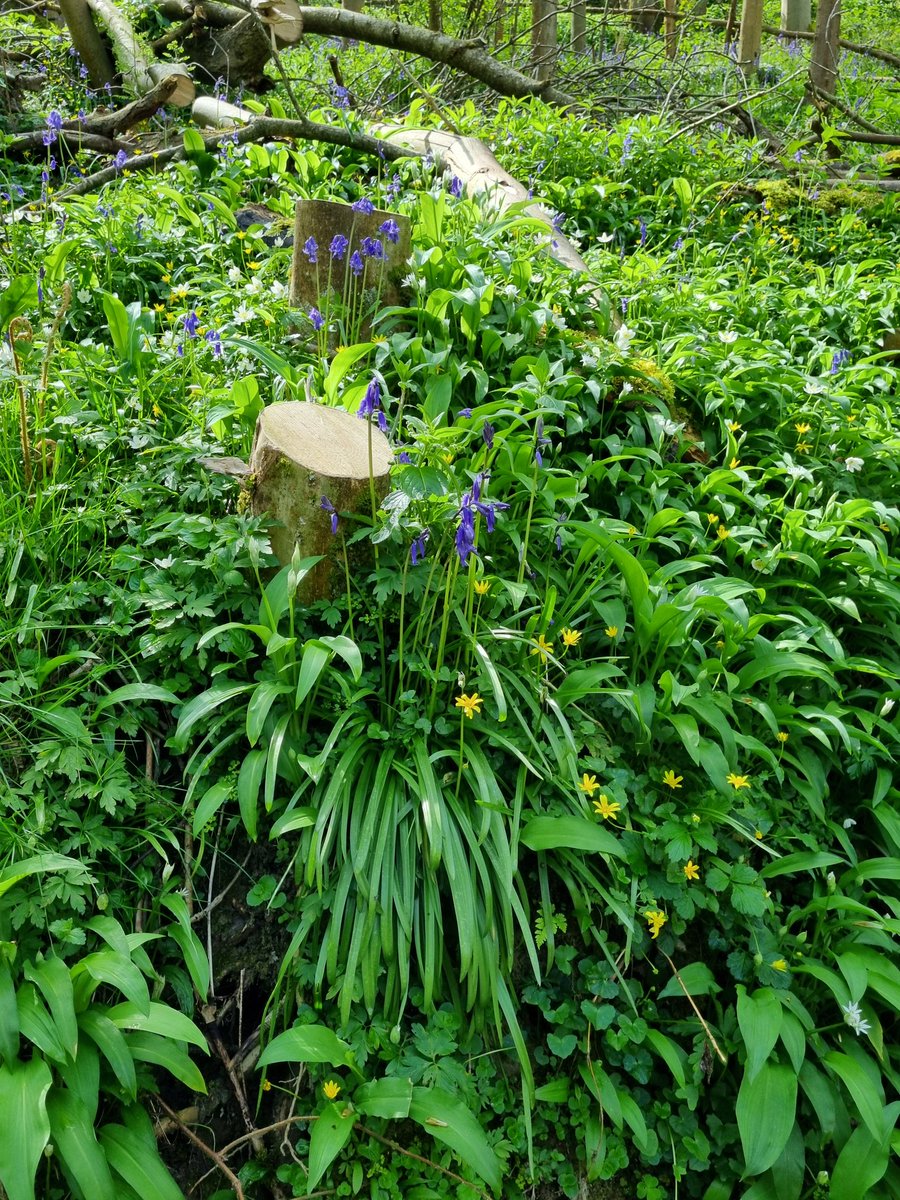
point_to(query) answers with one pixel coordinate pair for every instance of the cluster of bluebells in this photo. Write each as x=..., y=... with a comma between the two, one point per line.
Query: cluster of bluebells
x=326, y=506
x=540, y=441
x=54, y=125
x=371, y=406
x=838, y=359
x=370, y=247
x=417, y=549
x=472, y=504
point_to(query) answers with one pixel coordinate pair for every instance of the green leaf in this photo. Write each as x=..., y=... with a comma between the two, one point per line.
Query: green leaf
x=328, y=1136
x=556, y=1092
x=210, y=803
x=36, y=865
x=9, y=1015
x=868, y=1098
x=138, y=1164
x=25, y=1124
x=140, y=693
x=862, y=1162
x=82, y=1157
x=388, y=1098
x=450, y=1121
x=51, y=976
x=569, y=833
x=161, y=1019
x=671, y=1054
x=341, y=364
x=248, y=786
x=111, y=1044
x=260, y=706
x=195, y=957
x=20, y=296
x=802, y=860
x=314, y=661
x=759, y=1017
x=201, y=706
x=106, y=966
x=697, y=978
x=765, y=1113
x=148, y=1047
x=307, y=1043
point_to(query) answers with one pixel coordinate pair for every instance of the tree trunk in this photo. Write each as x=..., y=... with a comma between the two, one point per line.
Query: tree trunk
x=671, y=28
x=544, y=36
x=750, y=38
x=795, y=16
x=304, y=454
x=579, y=27
x=86, y=39
x=823, y=66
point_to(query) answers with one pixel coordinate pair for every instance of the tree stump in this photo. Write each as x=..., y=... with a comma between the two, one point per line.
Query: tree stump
x=307, y=460
x=327, y=277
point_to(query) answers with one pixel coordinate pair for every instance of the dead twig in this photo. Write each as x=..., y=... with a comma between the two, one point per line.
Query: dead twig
x=216, y=1157
x=706, y=1029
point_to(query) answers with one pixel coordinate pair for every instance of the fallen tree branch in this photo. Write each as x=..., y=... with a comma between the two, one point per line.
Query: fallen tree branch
x=848, y=112
x=72, y=140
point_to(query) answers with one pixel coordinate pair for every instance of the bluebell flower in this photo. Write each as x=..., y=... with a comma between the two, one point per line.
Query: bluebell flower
x=326, y=506
x=338, y=247
x=391, y=230
x=838, y=359
x=372, y=248
x=191, y=323
x=311, y=249
x=316, y=318
x=487, y=433
x=465, y=413
x=456, y=187
x=540, y=441
x=120, y=160
x=356, y=263
x=341, y=96
x=370, y=405
x=417, y=549
x=215, y=340
x=470, y=505
x=643, y=225
x=403, y=457
x=364, y=205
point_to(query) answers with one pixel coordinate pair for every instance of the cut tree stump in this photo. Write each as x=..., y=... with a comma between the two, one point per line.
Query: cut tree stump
x=305, y=452
x=328, y=281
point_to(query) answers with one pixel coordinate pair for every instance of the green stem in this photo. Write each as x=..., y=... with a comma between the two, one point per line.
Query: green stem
x=524, y=557
x=442, y=642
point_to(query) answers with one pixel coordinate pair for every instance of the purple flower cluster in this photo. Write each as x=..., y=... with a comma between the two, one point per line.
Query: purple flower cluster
x=391, y=230
x=364, y=205
x=487, y=433
x=470, y=505
x=417, y=549
x=838, y=359
x=540, y=441
x=311, y=249
x=316, y=318
x=338, y=247
x=215, y=340
x=372, y=248
x=54, y=125
x=371, y=406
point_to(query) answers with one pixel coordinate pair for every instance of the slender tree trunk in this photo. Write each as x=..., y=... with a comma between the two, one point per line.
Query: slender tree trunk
x=435, y=16
x=87, y=41
x=729, y=23
x=579, y=27
x=795, y=16
x=750, y=37
x=823, y=66
x=671, y=28
x=544, y=36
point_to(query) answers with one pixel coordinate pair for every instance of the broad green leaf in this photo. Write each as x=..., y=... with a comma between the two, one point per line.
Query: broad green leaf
x=307, y=1043
x=569, y=833
x=759, y=1017
x=25, y=1124
x=51, y=976
x=161, y=1019
x=138, y=1164
x=150, y=1048
x=82, y=1156
x=260, y=706
x=450, y=1121
x=19, y=297
x=765, y=1113
x=802, y=860
x=861, y=1163
x=697, y=978
x=195, y=957
x=868, y=1098
x=36, y=1025
x=314, y=661
x=209, y=804
x=248, y=788
x=556, y=1092
x=82, y=1076
x=670, y=1052
x=341, y=364
x=140, y=693
x=106, y=966
x=328, y=1136
x=201, y=706
x=389, y=1098
x=9, y=1015
x=111, y=1044
x=36, y=865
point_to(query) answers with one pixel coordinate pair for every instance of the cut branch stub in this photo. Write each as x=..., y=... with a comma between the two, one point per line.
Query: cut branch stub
x=319, y=278
x=301, y=454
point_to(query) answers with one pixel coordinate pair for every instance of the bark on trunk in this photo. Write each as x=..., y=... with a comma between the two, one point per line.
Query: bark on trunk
x=87, y=41
x=750, y=38
x=579, y=27
x=795, y=15
x=823, y=66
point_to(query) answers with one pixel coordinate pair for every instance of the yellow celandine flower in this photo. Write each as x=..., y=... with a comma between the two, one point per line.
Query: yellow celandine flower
x=156, y=410
x=803, y=447
x=631, y=531
x=571, y=637
x=167, y=278
x=482, y=586
x=803, y=427
x=469, y=704
x=691, y=870
x=542, y=647
x=758, y=835
x=240, y=235
x=611, y=631
x=720, y=645
x=267, y=1086
x=670, y=779
x=781, y=736
x=779, y=965
x=738, y=781
x=733, y=426
x=254, y=266
x=722, y=533
x=606, y=808
x=159, y=308
x=331, y=1089
x=588, y=784
x=713, y=518
x=656, y=919
x=734, y=464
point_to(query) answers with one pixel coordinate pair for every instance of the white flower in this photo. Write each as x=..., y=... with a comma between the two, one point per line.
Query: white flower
x=714, y=306
x=814, y=387
x=626, y=388
x=589, y=361
x=670, y=428
x=511, y=290
x=84, y=295
x=854, y=1018
x=728, y=336
x=243, y=314
x=605, y=238
x=254, y=287
x=849, y=823
x=853, y=464
x=278, y=289
x=623, y=339
x=558, y=320
x=886, y=707
x=234, y=274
